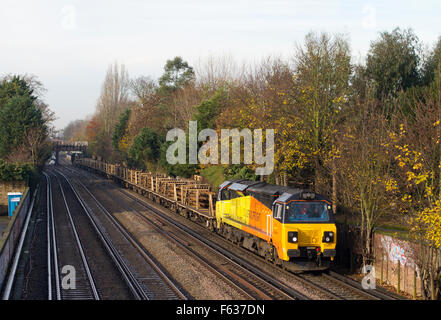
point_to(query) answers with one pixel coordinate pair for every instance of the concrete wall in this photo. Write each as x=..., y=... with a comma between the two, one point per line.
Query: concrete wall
x=395, y=263
x=9, y=186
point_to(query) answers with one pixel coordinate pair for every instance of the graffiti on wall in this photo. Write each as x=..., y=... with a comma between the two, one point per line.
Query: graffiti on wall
x=397, y=250
x=396, y=253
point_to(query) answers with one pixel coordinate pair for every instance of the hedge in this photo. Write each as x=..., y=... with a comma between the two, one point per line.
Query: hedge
x=15, y=172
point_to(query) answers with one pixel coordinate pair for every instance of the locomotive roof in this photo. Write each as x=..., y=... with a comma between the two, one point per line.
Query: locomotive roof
x=287, y=196
x=272, y=189
x=284, y=193
x=241, y=185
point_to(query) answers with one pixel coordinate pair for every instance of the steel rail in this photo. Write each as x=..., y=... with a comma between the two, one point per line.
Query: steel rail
x=80, y=247
x=122, y=266
x=49, y=214
x=48, y=234
x=52, y=244
x=129, y=238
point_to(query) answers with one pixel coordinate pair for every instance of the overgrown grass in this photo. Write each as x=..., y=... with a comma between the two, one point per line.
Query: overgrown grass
x=389, y=226
x=214, y=175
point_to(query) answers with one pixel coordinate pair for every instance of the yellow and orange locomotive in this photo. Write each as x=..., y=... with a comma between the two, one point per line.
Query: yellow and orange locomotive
x=291, y=227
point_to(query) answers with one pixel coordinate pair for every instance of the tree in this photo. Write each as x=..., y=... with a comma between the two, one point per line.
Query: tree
x=417, y=152
x=75, y=130
x=25, y=121
x=177, y=73
x=363, y=168
x=393, y=61
x=33, y=141
x=145, y=149
x=120, y=130
x=209, y=109
x=101, y=145
x=13, y=86
x=432, y=64
x=143, y=88
x=216, y=72
x=17, y=116
x=322, y=74
x=114, y=96
x=176, y=170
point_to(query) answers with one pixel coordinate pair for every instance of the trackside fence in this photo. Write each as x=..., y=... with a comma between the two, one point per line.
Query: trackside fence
x=11, y=236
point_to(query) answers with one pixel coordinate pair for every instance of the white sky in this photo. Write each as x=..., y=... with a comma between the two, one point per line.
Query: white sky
x=69, y=44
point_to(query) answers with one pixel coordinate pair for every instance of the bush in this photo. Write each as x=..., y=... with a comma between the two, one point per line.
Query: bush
x=15, y=172
x=176, y=170
x=238, y=171
x=145, y=148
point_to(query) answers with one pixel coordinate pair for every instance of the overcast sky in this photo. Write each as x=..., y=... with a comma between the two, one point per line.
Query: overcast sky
x=69, y=44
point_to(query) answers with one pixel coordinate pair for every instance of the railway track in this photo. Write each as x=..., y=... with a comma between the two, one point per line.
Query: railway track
x=65, y=250
x=144, y=276
x=331, y=286
x=233, y=273
x=334, y=286
x=236, y=272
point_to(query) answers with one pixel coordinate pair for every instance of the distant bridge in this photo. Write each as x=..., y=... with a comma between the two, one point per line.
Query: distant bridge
x=61, y=145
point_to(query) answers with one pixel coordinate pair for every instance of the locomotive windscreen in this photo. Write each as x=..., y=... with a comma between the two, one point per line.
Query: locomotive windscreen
x=307, y=211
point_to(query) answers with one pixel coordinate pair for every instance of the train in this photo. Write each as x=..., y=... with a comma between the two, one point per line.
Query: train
x=292, y=228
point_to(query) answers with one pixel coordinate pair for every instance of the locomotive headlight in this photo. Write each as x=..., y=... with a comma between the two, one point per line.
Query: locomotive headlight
x=293, y=237
x=328, y=237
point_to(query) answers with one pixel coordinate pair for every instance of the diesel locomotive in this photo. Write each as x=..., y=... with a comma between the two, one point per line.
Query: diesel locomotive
x=294, y=228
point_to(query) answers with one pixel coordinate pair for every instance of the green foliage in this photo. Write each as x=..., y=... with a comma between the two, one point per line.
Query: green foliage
x=432, y=65
x=120, y=128
x=209, y=110
x=145, y=148
x=393, y=62
x=14, y=86
x=323, y=71
x=101, y=145
x=14, y=172
x=177, y=73
x=182, y=170
x=176, y=170
x=214, y=175
x=238, y=171
x=18, y=114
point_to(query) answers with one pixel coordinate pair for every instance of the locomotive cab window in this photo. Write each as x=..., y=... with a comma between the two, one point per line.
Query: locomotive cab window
x=233, y=194
x=307, y=211
x=224, y=194
x=278, y=211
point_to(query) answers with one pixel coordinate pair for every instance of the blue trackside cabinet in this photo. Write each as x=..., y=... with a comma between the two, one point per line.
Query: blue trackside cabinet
x=13, y=201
